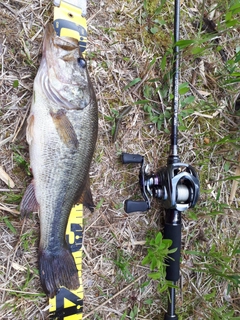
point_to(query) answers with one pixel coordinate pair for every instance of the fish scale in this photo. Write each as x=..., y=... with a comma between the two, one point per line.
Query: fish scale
x=69, y=178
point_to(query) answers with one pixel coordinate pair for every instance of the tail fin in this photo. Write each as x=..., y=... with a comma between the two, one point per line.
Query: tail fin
x=57, y=269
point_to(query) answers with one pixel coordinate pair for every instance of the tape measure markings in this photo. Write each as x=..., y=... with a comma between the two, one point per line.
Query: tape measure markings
x=70, y=21
x=68, y=304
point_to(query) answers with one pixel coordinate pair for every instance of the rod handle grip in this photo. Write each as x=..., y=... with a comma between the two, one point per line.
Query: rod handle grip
x=133, y=206
x=173, y=232
x=131, y=158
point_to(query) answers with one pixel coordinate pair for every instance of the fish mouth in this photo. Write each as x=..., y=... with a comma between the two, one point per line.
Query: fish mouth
x=66, y=47
x=52, y=39
x=63, y=81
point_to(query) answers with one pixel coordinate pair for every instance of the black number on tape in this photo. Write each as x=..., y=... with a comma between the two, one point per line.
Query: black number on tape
x=77, y=244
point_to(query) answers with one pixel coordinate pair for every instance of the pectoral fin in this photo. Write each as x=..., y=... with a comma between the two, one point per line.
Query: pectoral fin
x=64, y=128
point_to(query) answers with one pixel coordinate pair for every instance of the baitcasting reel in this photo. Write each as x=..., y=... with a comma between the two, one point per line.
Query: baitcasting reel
x=176, y=185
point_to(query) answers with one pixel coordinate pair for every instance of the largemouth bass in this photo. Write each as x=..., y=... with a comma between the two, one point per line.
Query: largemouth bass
x=61, y=133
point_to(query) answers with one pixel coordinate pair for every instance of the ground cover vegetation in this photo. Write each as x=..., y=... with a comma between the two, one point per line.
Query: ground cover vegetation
x=130, y=62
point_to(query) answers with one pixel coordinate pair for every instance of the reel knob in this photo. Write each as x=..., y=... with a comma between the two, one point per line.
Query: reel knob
x=131, y=158
x=133, y=206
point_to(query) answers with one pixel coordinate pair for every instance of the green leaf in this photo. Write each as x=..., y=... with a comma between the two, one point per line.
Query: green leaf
x=172, y=251
x=15, y=83
x=154, y=275
x=197, y=50
x=163, y=62
x=147, y=91
x=159, y=124
x=168, y=242
x=145, y=5
x=183, y=88
x=152, y=62
x=162, y=247
x=237, y=59
x=167, y=114
x=209, y=296
x=124, y=316
x=236, y=74
x=189, y=100
x=184, y=43
x=153, y=264
x=192, y=215
x=154, y=30
x=132, y=83
x=134, y=313
x=141, y=102
x=228, y=16
x=154, y=119
x=231, y=23
x=144, y=284
x=235, y=8
x=159, y=21
x=163, y=288
x=158, y=238
x=9, y=225
x=115, y=112
x=99, y=204
x=148, y=301
x=145, y=260
x=152, y=242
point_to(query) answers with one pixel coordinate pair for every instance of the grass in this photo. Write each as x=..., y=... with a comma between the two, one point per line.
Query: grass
x=130, y=63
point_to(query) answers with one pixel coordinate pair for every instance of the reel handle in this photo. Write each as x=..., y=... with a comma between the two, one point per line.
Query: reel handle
x=131, y=158
x=133, y=206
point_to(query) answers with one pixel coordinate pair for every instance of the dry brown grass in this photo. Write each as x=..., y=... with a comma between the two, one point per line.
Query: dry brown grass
x=120, y=50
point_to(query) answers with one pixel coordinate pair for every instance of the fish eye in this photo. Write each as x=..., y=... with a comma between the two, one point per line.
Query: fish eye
x=82, y=62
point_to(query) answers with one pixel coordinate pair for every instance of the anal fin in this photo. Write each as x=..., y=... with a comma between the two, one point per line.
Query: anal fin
x=29, y=202
x=86, y=197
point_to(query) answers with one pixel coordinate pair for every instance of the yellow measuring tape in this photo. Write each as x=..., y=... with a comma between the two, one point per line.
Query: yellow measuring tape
x=68, y=304
x=70, y=21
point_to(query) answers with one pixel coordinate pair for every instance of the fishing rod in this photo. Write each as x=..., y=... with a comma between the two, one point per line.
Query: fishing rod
x=176, y=185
